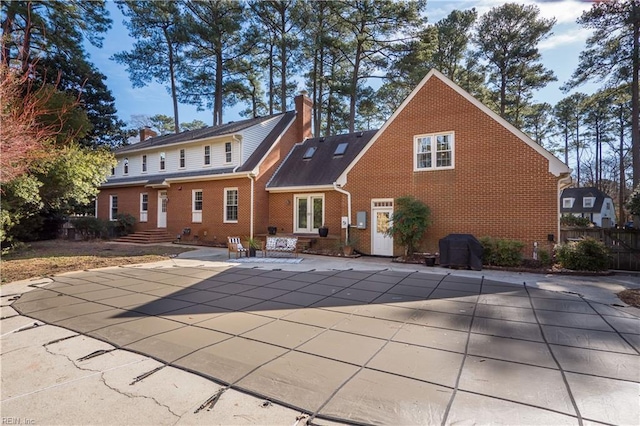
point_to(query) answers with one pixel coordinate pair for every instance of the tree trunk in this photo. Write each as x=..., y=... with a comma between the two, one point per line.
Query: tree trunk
x=283, y=60
x=623, y=178
x=172, y=75
x=7, y=29
x=354, y=88
x=635, y=95
x=217, y=106
x=271, y=77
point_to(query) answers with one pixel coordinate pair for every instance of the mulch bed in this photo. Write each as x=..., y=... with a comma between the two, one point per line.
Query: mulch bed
x=630, y=297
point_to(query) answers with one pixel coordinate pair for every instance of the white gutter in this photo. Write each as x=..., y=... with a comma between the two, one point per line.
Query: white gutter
x=348, y=194
x=563, y=183
x=251, y=178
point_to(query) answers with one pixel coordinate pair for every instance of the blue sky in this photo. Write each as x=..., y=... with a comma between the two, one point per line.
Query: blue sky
x=560, y=53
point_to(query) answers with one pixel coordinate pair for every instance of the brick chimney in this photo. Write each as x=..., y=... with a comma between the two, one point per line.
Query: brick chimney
x=147, y=133
x=304, y=106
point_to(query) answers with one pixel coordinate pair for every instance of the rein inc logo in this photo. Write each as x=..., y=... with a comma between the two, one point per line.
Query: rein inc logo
x=17, y=421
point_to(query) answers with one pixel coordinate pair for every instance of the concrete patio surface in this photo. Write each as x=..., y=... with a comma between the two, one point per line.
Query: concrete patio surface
x=360, y=341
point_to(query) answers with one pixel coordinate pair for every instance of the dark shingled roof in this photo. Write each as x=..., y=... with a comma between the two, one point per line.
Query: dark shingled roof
x=323, y=168
x=191, y=135
x=158, y=178
x=579, y=194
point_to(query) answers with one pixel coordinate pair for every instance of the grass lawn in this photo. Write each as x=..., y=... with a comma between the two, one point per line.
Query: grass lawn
x=46, y=258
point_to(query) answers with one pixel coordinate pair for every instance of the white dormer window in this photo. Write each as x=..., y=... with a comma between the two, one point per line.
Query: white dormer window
x=126, y=166
x=588, y=202
x=183, y=160
x=227, y=152
x=144, y=164
x=567, y=203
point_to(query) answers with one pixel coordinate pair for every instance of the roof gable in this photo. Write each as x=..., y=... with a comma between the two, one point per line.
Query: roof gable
x=556, y=167
x=579, y=194
x=326, y=159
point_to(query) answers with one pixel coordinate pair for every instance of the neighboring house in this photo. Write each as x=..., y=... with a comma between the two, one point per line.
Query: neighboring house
x=590, y=203
x=477, y=173
x=211, y=180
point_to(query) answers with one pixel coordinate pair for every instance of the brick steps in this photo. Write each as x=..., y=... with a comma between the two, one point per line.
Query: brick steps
x=153, y=236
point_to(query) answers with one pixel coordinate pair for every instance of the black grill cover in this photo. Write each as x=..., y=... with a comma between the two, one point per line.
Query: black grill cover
x=461, y=250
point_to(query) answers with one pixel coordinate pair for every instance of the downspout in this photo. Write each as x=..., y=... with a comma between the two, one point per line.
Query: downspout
x=348, y=194
x=251, y=177
x=563, y=183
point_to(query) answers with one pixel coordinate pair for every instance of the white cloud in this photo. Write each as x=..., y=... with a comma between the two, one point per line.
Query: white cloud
x=571, y=36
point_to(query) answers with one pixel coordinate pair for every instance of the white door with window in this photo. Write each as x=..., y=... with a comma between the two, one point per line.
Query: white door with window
x=381, y=215
x=162, y=209
x=308, y=213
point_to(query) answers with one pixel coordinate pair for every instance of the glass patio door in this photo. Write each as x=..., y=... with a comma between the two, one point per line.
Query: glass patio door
x=308, y=213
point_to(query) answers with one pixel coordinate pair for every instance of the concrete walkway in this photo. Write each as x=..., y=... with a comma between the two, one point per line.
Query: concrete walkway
x=359, y=341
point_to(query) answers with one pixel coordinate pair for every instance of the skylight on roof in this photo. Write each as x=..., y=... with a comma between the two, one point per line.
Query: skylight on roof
x=310, y=151
x=341, y=148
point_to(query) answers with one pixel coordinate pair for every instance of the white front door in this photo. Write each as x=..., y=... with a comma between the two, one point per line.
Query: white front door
x=381, y=243
x=162, y=209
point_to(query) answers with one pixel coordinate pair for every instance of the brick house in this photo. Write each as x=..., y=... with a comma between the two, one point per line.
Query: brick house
x=204, y=184
x=477, y=173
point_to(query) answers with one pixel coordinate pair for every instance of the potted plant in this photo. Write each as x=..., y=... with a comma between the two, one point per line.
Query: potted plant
x=323, y=231
x=347, y=248
x=272, y=230
x=253, y=244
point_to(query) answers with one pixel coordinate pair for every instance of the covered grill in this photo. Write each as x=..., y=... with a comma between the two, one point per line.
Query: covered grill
x=461, y=251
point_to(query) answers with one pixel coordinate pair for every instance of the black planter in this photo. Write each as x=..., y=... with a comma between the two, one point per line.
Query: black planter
x=252, y=252
x=430, y=261
x=272, y=230
x=323, y=232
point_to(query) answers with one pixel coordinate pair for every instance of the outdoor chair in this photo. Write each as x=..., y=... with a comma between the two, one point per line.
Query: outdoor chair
x=234, y=245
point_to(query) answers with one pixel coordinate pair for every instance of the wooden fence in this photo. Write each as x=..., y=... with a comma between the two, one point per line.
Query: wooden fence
x=624, y=244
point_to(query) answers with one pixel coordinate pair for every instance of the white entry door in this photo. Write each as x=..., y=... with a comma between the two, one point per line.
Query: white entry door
x=162, y=209
x=308, y=213
x=381, y=243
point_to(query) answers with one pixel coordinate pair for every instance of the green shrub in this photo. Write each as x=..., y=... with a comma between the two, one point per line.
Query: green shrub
x=90, y=227
x=572, y=220
x=501, y=252
x=584, y=255
x=411, y=219
x=544, y=257
x=125, y=224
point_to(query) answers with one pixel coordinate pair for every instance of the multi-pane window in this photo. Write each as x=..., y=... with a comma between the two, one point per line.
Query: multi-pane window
x=196, y=213
x=144, y=207
x=567, y=203
x=182, y=159
x=434, y=151
x=588, y=202
x=144, y=164
x=126, y=166
x=163, y=159
x=231, y=204
x=113, y=212
x=227, y=152
x=207, y=155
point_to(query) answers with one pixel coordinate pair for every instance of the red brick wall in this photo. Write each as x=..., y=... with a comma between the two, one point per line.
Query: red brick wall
x=500, y=186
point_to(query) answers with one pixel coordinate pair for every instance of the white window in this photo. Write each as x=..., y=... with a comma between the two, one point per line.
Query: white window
x=182, y=159
x=196, y=213
x=113, y=211
x=113, y=171
x=144, y=164
x=163, y=159
x=227, y=152
x=567, y=203
x=308, y=213
x=433, y=152
x=144, y=207
x=126, y=166
x=588, y=202
x=207, y=155
x=231, y=205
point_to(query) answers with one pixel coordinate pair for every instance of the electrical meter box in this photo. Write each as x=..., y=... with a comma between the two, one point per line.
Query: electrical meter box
x=361, y=220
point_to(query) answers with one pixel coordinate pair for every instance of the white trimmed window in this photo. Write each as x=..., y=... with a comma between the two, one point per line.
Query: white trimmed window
x=126, y=166
x=588, y=202
x=567, y=203
x=113, y=171
x=144, y=207
x=227, y=152
x=196, y=213
x=183, y=160
x=144, y=164
x=433, y=152
x=231, y=205
x=163, y=160
x=207, y=155
x=113, y=209
x=308, y=212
